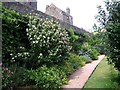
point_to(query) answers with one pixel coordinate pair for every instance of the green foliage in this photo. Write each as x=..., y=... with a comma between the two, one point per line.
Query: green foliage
x=30, y=42
x=66, y=67
x=50, y=43
x=92, y=52
x=47, y=77
x=44, y=42
x=14, y=38
x=55, y=76
x=98, y=42
x=13, y=76
x=72, y=36
x=76, y=60
x=83, y=59
x=74, y=41
x=112, y=26
x=72, y=63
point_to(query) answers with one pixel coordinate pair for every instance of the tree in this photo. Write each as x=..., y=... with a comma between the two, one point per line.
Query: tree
x=110, y=21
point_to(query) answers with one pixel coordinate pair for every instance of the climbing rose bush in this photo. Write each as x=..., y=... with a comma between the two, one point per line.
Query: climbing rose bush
x=49, y=42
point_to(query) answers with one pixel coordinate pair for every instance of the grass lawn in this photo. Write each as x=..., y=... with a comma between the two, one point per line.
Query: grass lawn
x=105, y=76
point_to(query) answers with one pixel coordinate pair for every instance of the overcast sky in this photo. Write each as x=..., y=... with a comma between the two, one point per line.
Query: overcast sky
x=83, y=11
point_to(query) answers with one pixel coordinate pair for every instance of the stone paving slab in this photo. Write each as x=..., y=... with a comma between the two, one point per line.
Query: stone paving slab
x=80, y=76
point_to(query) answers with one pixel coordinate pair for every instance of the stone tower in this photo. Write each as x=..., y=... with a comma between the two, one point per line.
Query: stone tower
x=54, y=11
x=68, y=10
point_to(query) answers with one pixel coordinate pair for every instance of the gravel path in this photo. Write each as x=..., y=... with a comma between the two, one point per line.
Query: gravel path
x=80, y=76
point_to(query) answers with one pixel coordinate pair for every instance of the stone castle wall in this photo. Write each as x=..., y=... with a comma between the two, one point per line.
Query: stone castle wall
x=52, y=10
x=27, y=10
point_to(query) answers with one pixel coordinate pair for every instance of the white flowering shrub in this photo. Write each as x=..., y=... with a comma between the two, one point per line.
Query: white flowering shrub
x=49, y=42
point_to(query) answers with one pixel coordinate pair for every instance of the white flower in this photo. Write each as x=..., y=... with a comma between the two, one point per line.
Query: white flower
x=40, y=54
x=43, y=41
x=19, y=54
x=43, y=36
x=60, y=41
x=36, y=41
x=27, y=29
x=48, y=37
x=33, y=41
x=27, y=34
x=38, y=38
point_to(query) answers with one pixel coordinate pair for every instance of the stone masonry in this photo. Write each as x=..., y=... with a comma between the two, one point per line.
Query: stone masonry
x=24, y=9
x=59, y=14
x=28, y=3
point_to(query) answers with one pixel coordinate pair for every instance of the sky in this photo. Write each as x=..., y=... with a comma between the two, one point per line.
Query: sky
x=83, y=11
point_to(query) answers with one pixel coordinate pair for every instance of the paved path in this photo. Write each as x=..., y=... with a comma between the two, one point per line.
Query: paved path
x=80, y=76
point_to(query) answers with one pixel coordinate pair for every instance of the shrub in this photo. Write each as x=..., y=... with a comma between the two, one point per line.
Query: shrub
x=72, y=36
x=50, y=43
x=13, y=76
x=66, y=67
x=47, y=77
x=14, y=38
x=92, y=52
x=76, y=60
x=98, y=42
x=75, y=41
x=83, y=60
x=73, y=62
x=43, y=42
